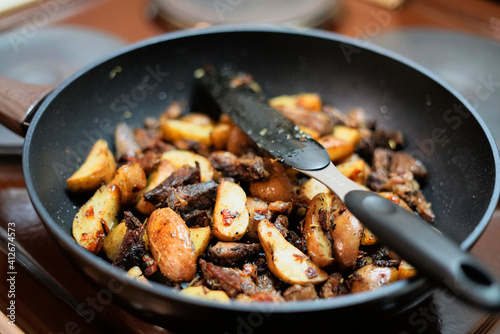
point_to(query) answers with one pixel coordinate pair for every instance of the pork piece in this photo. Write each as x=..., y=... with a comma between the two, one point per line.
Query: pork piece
x=198, y=218
x=318, y=121
x=198, y=196
x=233, y=253
x=151, y=142
x=379, y=139
x=246, y=168
x=398, y=172
x=133, y=250
x=184, y=175
x=192, y=145
x=300, y=292
x=232, y=281
x=125, y=143
x=334, y=286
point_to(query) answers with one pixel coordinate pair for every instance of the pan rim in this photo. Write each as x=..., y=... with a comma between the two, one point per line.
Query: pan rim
x=401, y=287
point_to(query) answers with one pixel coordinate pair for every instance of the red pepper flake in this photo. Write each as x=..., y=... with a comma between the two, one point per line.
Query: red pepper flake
x=311, y=273
x=89, y=213
x=228, y=216
x=299, y=257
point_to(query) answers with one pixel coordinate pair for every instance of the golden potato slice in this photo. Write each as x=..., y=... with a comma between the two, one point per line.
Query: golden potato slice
x=230, y=217
x=164, y=169
x=96, y=218
x=181, y=158
x=205, y=293
x=368, y=238
x=219, y=135
x=406, y=270
x=99, y=168
x=312, y=187
x=258, y=210
x=198, y=118
x=136, y=273
x=350, y=135
x=171, y=245
x=337, y=148
x=174, y=129
x=311, y=132
x=372, y=277
x=346, y=237
x=309, y=101
x=354, y=170
x=200, y=237
x=319, y=247
x=113, y=241
x=276, y=187
x=285, y=261
x=238, y=142
x=131, y=179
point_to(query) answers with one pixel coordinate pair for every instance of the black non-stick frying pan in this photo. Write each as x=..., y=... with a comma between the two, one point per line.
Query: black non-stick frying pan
x=142, y=80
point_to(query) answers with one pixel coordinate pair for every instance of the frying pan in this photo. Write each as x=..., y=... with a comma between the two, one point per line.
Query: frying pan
x=143, y=79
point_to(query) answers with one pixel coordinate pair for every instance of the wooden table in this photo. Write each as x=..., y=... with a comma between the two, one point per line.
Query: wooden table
x=38, y=310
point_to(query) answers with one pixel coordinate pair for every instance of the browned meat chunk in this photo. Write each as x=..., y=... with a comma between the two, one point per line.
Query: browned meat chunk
x=184, y=175
x=198, y=196
x=334, y=286
x=133, y=250
x=245, y=168
x=300, y=292
x=125, y=143
x=232, y=281
x=379, y=139
x=198, y=218
x=233, y=253
x=402, y=163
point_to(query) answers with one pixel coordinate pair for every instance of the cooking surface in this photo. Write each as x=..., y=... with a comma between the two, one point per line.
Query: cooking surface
x=38, y=310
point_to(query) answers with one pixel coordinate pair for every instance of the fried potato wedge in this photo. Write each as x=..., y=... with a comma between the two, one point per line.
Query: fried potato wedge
x=205, y=293
x=372, y=277
x=131, y=179
x=113, y=241
x=171, y=245
x=181, y=158
x=96, y=218
x=98, y=169
x=346, y=236
x=220, y=135
x=164, y=169
x=350, y=135
x=317, y=223
x=337, y=148
x=284, y=260
x=313, y=187
x=356, y=170
x=406, y=270
x=276, y=187
x=309, y=101
x=174, y=129
x=136, y=273
x=230, y=217
x=200, y=236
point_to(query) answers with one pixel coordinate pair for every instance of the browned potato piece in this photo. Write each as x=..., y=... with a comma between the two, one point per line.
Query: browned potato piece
x=284, y=260
x=372, y=277
x=337, y=148
x=198, y=118
x=396, y=199
x=96, y=217
x=230, y=212
x=276, y=187
x=163, y=170
x=368, y=238
x=312, y=187
x=98, y=169
x=258, y=210
x=238, y=142
x=174, y=129
x=131, y=179
x=205, y=293
x=348, y=134
x=219, y=135
x=113, y=241
x=309, y=101
x=346, y=237
x=136, y=273
x=319, y=247
x=181, y=158
x=354, y=170
x=200, y=237
x=406, y=270
x=171, y=245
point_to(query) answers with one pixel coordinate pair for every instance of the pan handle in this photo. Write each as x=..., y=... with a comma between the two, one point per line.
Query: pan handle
x=17, y=101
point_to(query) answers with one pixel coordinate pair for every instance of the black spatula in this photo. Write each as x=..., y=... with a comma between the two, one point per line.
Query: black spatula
x=432, y=254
